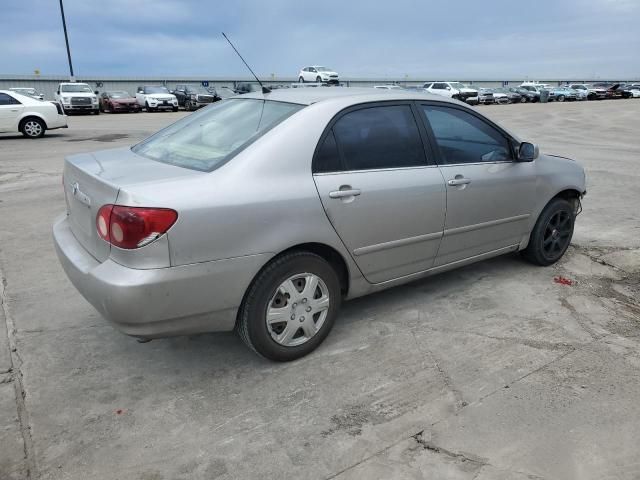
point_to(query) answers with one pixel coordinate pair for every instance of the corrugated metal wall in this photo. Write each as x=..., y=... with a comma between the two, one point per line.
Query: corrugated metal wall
x=49, y=84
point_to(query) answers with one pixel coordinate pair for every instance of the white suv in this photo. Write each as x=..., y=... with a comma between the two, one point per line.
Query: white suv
x=318, y=74
x=77, y=97
x=156, y=97
x=456, y=90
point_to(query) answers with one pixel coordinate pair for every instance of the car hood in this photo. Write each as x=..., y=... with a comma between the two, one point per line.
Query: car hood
x=327, y=73
x=123, y=100
x=163, y=96
x=77, y=94
x=468, y=90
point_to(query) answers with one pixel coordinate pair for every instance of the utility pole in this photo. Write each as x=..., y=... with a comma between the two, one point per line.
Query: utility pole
x=66, y=39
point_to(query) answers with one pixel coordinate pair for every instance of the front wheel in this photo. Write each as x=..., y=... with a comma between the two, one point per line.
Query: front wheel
x=290, y=307
x=301, y=80
x=560, y=98
x=552, y=233
x=318, y=80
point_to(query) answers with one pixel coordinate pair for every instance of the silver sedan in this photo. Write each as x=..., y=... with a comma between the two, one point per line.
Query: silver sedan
x=263, y=212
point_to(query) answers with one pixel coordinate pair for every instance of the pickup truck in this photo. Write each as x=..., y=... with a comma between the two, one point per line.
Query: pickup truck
x=77, y=97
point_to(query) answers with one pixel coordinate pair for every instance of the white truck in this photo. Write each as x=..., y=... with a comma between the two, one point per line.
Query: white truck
x=77, y=97
x=456, y=90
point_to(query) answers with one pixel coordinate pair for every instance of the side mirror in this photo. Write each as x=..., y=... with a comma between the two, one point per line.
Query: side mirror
x=96, y=92
x=58, y=92
x=528, y=152
x=448, y=88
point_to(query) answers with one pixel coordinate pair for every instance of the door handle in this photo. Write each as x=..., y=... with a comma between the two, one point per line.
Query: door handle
x=454, y=182
x=351, y=192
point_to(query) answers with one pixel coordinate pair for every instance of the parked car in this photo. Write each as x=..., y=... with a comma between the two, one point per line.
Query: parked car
x=512, y=97
x=29, y=92
x=318, y=74
x=526, y=95
x=247, y=87
x=28, y=115
x=220, y=93
x=535, y=90
x=499, y=97
x=611, y=89
x=77, y=97
x=335, y=203
x=593, y=92
x=456, y=90
x=192, y=97
x=561, y=94
x=483, y=97
x=156, y=97
x=630, y=91
x=118, y=101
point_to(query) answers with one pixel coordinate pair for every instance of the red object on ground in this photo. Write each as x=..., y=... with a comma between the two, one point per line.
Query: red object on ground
x=562, y=280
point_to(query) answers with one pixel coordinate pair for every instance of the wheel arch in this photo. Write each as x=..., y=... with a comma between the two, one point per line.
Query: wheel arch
x=29, y=116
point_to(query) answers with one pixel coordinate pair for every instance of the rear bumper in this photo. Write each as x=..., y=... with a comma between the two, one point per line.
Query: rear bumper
x=159, y=302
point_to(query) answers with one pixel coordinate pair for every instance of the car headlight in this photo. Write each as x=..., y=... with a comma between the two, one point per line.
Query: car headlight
x=65, y=99
x=94, y=100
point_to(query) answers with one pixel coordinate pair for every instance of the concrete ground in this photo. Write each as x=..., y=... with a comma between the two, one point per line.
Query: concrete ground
x=494, y=371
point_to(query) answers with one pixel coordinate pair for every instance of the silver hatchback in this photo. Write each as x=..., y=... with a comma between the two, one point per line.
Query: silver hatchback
x=261, y=213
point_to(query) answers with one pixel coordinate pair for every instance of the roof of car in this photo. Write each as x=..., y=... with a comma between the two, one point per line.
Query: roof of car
x=309, y=95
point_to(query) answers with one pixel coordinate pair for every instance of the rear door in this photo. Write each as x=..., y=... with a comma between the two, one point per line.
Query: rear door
x=385, y=199
x=490, y=195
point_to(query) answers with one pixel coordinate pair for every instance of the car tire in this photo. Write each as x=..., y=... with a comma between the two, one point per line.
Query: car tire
x=96, y=112
x=175, y=109
x=523, y=99
x=551, y=234
x=301, y=80
x=318, y=80
x=560, y=98
x=284, y=273
x=146, y=107
x=32, y=127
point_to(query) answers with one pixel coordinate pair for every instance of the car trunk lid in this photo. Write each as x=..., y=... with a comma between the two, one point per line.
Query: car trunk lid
x=92, y=180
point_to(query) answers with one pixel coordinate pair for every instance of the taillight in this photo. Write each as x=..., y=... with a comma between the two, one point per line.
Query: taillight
x=133, y=227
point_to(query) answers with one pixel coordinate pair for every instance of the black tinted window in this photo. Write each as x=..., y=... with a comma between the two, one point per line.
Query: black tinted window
x=327, y=158
x=379, y=137
x=8, y=100
x=464, y=138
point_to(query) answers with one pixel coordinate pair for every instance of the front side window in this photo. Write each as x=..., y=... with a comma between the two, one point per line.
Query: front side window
x=206, y=139
x=464, y=138
x=379, y=137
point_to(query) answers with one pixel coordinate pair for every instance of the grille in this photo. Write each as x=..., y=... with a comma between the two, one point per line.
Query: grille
x=80, y=100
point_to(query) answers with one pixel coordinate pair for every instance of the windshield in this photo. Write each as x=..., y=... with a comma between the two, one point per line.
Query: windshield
x=119, y=94
x=197, y=89
x=78, y=87
x=205, y=140
x=458, y=85
x=156, y=90
x=322, y=69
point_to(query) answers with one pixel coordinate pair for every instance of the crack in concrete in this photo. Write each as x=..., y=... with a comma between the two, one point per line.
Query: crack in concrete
x=16, y=378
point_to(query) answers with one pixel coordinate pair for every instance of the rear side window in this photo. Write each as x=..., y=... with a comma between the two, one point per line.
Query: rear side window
x=8, y=100
x=379, y=137
x=208, y=138
x=327, y=158
x=464, y=138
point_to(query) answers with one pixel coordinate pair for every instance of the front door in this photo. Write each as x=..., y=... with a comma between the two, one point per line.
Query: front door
x=490, y=195
x=384, y=199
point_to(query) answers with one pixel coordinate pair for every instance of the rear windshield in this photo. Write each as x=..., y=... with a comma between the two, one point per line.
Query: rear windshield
x=206, y=139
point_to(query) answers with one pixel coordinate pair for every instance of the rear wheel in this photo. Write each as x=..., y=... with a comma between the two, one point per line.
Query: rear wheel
x=32, y=127
x=290, y=307
x=551, y=234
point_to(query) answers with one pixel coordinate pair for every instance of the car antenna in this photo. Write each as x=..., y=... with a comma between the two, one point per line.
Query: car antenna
x=264, y=89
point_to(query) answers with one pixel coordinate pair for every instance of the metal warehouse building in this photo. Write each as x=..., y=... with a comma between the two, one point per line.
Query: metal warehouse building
x=48, y=84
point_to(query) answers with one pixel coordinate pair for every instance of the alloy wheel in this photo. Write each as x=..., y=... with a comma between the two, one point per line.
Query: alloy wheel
x=33, y=128
x=557, y=234
x=298, y=309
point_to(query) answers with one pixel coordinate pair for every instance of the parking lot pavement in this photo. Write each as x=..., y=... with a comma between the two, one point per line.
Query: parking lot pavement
x=493, y=371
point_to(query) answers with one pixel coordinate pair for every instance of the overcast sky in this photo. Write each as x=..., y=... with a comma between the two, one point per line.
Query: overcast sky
x=459, y=39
